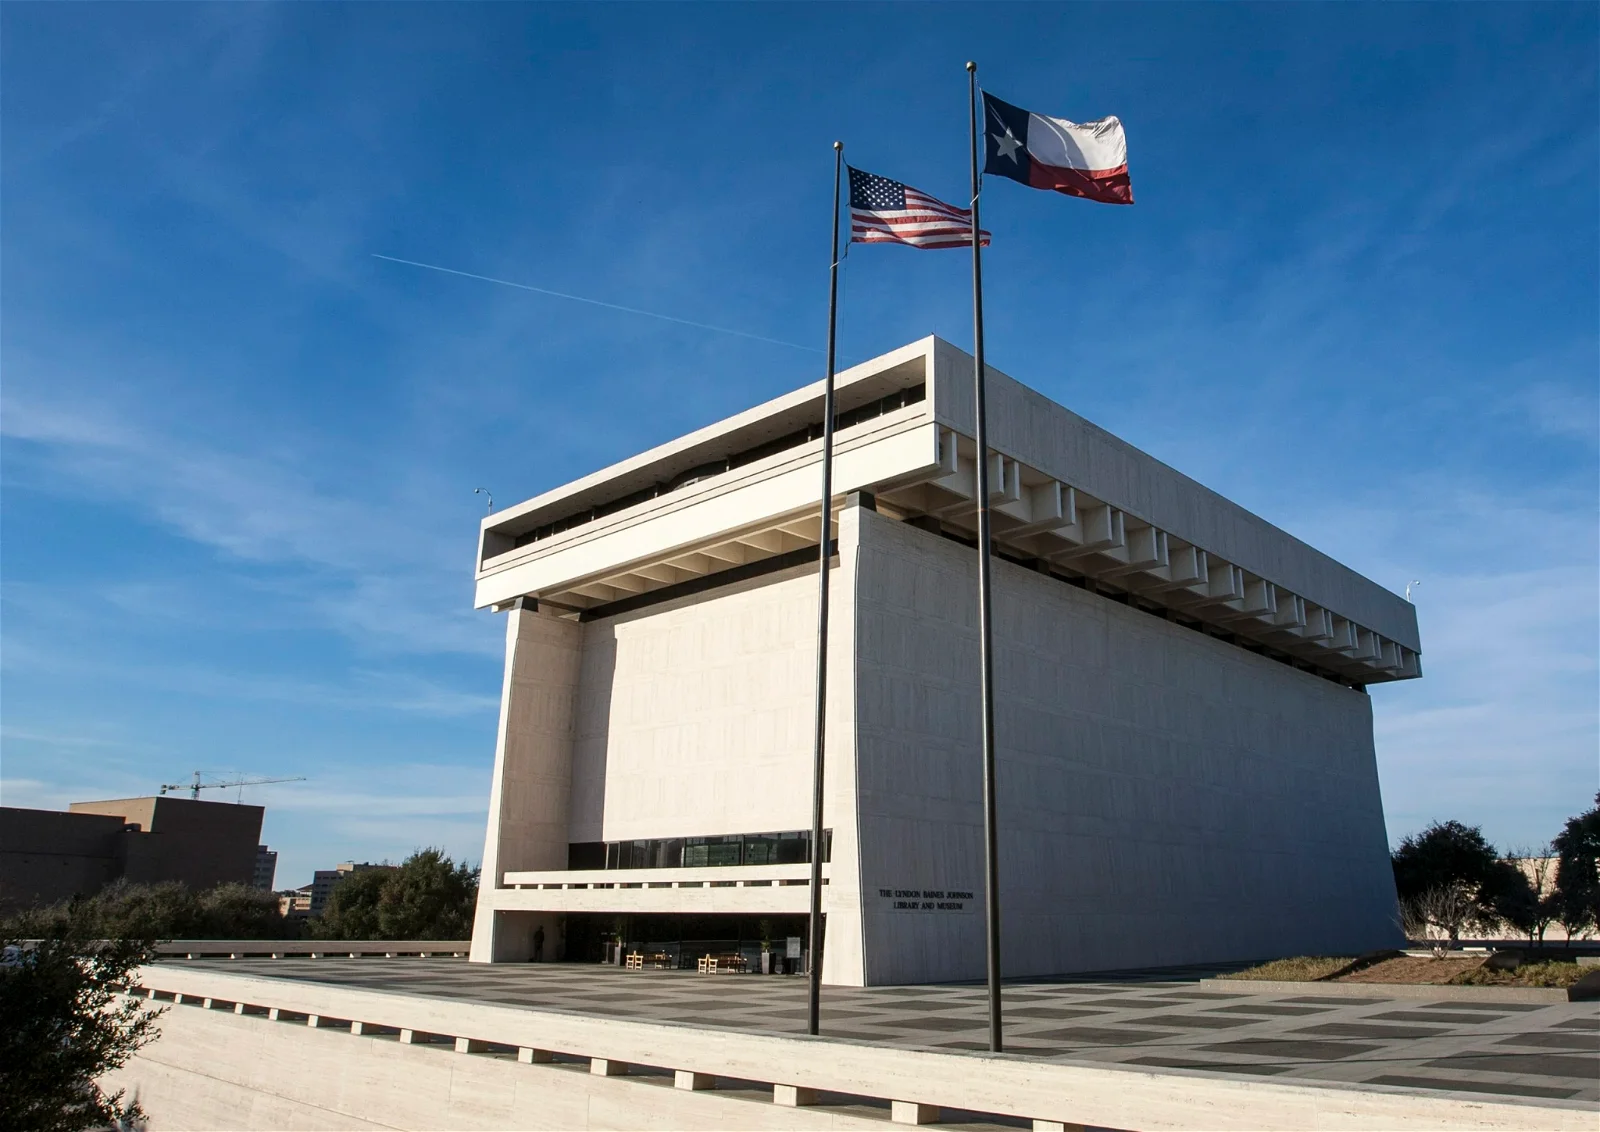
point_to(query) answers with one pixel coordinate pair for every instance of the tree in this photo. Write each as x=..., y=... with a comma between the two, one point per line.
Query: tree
x=1538, y=867
x=427, y=896
x=1448, y=908
x=1578, y=872
x=1446, y=876
x=1507, y=896
x=65, y=1026
x=352, y=908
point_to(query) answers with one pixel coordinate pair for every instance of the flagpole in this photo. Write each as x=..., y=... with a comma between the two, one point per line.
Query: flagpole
x=991, y=864
x=824, y=552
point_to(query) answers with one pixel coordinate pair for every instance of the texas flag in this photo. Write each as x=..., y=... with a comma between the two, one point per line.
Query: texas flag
x=1088, y=159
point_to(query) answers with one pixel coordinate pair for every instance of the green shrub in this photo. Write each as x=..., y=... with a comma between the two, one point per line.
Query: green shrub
x=169, y=910
x=64, y=1025
x=1302, y=968
x=1550, y=973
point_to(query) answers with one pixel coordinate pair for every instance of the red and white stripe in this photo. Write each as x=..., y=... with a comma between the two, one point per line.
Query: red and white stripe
x=1081, y=159
x=925, y=222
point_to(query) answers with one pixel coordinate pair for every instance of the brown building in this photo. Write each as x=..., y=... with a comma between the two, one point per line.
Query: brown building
x=47, y=855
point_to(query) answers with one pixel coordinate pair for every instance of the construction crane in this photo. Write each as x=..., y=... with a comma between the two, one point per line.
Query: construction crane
x=196, y=786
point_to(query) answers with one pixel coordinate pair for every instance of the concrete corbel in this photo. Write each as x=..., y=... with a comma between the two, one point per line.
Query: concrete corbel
x=1050, y=506
x=1185, y=569
x=1098, y=529
x=1144, y=552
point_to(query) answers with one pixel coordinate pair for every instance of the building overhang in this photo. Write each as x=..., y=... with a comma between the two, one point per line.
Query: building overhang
x=1066, y=498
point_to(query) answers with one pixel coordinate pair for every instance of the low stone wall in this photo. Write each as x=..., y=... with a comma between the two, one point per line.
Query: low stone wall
x=1432, y=991
x=212, y=1069
x=244, y=1052
x=313, y=948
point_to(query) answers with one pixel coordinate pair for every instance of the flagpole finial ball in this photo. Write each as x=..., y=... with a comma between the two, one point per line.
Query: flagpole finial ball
x=838, y=145
x=971, y=66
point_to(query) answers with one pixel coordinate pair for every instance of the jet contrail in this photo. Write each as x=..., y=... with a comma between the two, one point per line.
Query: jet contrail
x=597, y=303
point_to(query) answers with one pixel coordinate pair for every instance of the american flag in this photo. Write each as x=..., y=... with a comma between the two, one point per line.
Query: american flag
x=886, y=212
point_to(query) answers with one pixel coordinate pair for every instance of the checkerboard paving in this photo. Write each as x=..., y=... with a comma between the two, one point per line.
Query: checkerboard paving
x=1147, y=1019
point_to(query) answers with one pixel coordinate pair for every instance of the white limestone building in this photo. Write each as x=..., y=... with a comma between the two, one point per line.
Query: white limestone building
x=1185, y=759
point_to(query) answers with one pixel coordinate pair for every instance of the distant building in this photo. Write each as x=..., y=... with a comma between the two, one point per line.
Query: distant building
x=266, y=868
x=47, y=855
x=323, y=882
x=295, y=903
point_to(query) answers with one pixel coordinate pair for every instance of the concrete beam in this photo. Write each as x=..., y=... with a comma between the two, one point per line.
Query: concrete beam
x=1051, y=506
x=660, y=572
x=1290, y=614
x=599, y=591
x=793, y=1096
x=1318, y=625
x=913, y=1112
x=628, y=583
x=1005, y=481
x=1099, y=528
x=1144, y=552
x=1185, y=568
x=730, y=553
x=694, y=564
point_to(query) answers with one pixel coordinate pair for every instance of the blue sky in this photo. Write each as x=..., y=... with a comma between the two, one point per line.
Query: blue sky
x=1358, y=294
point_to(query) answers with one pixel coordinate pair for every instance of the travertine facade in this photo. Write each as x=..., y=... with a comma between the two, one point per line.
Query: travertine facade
x=1185, y=760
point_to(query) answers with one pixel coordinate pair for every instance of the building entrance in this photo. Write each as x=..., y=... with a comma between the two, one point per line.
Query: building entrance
x=742, y=944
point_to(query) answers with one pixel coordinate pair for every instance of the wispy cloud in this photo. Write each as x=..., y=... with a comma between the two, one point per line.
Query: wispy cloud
x=1562, y=410
x=359, y=690
x=388, y=570
x=598, y=303
x=345, y=815
x=59, y=739
x=1504, y=725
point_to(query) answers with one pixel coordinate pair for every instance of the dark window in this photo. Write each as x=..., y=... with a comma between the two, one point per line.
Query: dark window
x=791, y=847
x=896, y=400
x=669, y=853
x=637, y=855
x=761, y=849
x=586, y=855
x=722, y=850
